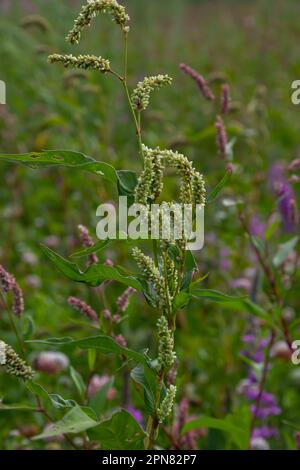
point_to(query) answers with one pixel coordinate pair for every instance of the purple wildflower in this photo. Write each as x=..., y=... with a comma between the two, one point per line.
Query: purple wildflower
x=136, y=414
x=263, y=405
x=123, y=300
x=297, y=439
x=286, y=198
x=7, y=281
x=225, y=98
x=221, y=137
x=9, y=284
x=84, y=308
x=88, y=243
x=295, y=165
x=106, y=314
x=256, y=226
x=201, y=82
x=120, y=340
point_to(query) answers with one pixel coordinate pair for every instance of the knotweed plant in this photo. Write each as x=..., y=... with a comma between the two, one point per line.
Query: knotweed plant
x=167, y=269
x=163, y=274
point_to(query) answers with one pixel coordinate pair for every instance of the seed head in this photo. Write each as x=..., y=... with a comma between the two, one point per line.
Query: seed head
x=9, y=284
x=166, y=354
x=13, y=364
x=123, y=300
x=201, y=82
x=81, y=62
x=92, y=9
x=151, y=273
x=141, y=95
x=84, y=308
x=88, y=243
x=150, y=183
x=225, y=98
x=221, y=137
x=167, y=404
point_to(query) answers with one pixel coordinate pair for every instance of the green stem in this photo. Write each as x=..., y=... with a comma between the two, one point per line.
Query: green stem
x=13, y=326
x=136, y=119
x=15, y=330
x=153, y=422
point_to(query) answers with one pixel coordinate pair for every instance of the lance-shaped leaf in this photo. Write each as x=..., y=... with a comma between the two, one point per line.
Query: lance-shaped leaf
x=65, y=158
x=284, y=251
x=214, y=295
x=94, y=275
x=215, y=192
x=104, y=344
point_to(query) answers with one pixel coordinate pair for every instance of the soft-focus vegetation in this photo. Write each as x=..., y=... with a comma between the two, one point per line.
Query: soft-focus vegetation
x=252, y=46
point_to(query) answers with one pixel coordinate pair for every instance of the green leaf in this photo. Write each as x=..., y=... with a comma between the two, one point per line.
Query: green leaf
x=17, y=407
x=127, y=181
x=38, y=390
x=252, y=308
x=74, y=422
x=78, y=381
x=190, y=268
x=181, y=300
x=65, y=158
x=238, y=434
x=96, y=248
x=59, y=402
x=259, y=245
x=120, y=432
x=146, y=378
x=284, y=251
x=94, y=275
x=214, y=295
x=49, y=398
x=272, y=229
x=215, y=192
x=104, y=344
x=91, y=359
x=99, y=400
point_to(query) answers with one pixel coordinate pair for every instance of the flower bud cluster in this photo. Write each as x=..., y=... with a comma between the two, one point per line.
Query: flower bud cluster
x=13, y=364
x=167, y=404
x=150, y=183
x=151, y=273
x=166, y=354
x=92, y=9
x=141, y=94
x=81, y=62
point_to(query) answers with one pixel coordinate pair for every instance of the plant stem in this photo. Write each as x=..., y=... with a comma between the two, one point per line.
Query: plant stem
x=262, y=385
x=274, y=294
x=136, y=120
x=13, y=326
x=153, y=423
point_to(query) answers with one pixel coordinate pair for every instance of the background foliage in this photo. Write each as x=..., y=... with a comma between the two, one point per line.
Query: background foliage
x=253, y=45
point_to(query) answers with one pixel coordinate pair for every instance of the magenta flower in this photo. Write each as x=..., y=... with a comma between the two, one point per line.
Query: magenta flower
x=286, y=198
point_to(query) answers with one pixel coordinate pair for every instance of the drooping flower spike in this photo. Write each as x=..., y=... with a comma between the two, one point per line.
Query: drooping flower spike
x=92, y=9
x=13, y=364
x=81, y=62
x=150, y=182
x=141, y=95
x=225, y=98
x=200, y=81
x=84, y=308
x=88, y=243
x=221, y=137
x=9, y=284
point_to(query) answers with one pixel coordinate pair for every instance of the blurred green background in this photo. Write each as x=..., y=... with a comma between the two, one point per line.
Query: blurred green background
x=252, y=45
